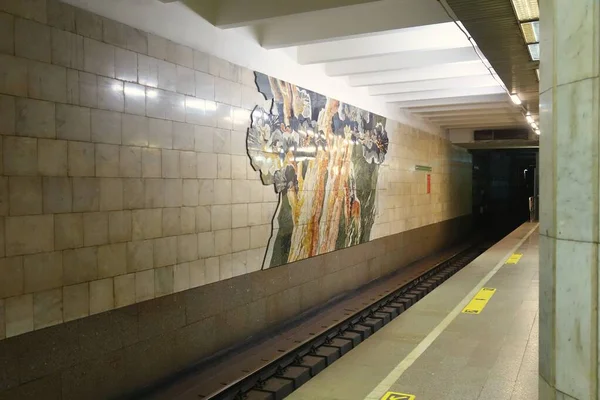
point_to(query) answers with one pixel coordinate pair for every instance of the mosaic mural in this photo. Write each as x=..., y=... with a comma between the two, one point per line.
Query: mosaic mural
x=322, y=157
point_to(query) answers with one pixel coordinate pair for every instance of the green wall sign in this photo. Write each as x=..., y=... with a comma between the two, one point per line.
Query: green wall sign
x=422, y=168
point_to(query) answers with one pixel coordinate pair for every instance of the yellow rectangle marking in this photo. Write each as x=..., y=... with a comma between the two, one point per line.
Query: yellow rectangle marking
x=477, y=304
x=514, y=258
x=398, y=396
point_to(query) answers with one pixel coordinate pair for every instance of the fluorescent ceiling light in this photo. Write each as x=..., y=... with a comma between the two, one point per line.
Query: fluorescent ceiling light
x=537, y=72
x=534, y=125
x=534, y=51
x=529, y=119
x=531, y=31
x=537, y=131
x=526, y=9
x=515, y=99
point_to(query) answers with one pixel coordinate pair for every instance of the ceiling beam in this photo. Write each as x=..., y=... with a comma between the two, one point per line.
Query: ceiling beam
x=489, y=111
x=396, y=61
x=445, y=94
x=485, y=80
x=483, y=125
x=459, y=107
x=488, y=98
x=439, y=71
x=417, y=37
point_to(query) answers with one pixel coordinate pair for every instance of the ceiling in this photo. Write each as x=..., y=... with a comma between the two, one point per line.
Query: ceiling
x=408, y=53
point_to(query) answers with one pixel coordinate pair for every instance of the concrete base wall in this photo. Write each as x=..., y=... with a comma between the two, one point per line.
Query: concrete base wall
x=118, y=352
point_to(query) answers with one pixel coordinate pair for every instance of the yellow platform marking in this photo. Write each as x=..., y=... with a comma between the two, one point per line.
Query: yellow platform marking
x=477, y=304
x=514, y=258
x=398, y=396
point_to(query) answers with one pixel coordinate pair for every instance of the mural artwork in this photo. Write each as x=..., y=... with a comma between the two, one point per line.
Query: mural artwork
x=322, y=157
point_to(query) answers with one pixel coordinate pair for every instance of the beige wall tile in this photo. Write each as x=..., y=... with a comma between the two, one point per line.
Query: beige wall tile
x=239, y=215
x=186, y=81
x=4, y=197
x=88, y=24
x=119, y=226
x=222, y=242
x=157, y=46
x=124, y=290
x=225, y=267
x=197, y=273
x=95, y=228
x=106, y=126
x=180, y=54
x=130, y=161
x=240, y=191
x=203, y=217
x=42, y=271
x=187, y=164
x=47, y=308
x=171, y=221
x=101, y=296
x=181, y=276
x=135, y=129
x=240, y=239
x=25, y=194
x=7, y=115
x=224, y=166
x=32, y=40
x=35, y=118
x=212, y=268
x=167, y=76
x=47, y=81
x=259, y=235
x=112, y=260
x=173, y=192
x=205, y=86
x=160, y=133
x=200, y=61
x=165, y=251
x=126, y=65
x=206, y=192
x=7, y=33
x=73, y=123
x=99, y=57
x=238, y=167
x=221, y=217
x=13, y=75
x=111, y=94
x=76, y=301
x=80, y=265
x=88, y=89
x=206, y=166
x=29, y=234
x=11, y=277
x=52, y=157
x=163, y=281
x=238, y=263
x=222, y=140
x=18, y=315
x=111, y=194
x=73, y=86
x=170, y=163
x=81, y=159
x=151, y=163
x=203, y=139
x=223, y=191
x=140, y=255
x=188, y=220
x=133, y=193
x=154, y=193
x=146, y=224
x=107, y=160
x=147, y=71
x=137, y=40
x=68, y=231
x=19, y=156
x=114, y=32
x=67, y=49
x=187, y=248
x=144, y=285
x=2, y=244
x=183, y=136
x=57, y=195
x=190, y=192
x=86, y=194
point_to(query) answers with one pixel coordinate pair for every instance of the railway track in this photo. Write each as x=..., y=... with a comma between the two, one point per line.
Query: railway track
x=293, y=361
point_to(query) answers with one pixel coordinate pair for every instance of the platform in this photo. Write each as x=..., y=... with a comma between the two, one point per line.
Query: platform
x=435, y=351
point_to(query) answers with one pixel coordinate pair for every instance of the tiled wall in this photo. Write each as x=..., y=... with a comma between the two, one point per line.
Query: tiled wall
x=124, y=175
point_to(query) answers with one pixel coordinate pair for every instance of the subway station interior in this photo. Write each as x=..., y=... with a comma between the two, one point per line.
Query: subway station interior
x=309, y=200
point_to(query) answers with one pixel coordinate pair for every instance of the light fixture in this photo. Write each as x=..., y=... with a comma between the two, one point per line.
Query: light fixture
x=534, y=51
x=531, y=31
x=537, y=72
x=537, y=131
x=515, y=99
x=534, y=126
x=526, y=9
x=529, y=119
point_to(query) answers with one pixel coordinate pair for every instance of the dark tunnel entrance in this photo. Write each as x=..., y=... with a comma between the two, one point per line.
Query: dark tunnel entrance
x=503, y=182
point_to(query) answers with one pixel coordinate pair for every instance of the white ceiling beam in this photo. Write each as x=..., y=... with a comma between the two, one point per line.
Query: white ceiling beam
x=485, y=80
x=488, y=98
x=483, y=125
x=475, y=117
x=460, y=108
x=441, y=114
x=478, y=121
x=405, y=59
x=429, y=37
x=237, y=13
x=439, y=71
x=447, y=94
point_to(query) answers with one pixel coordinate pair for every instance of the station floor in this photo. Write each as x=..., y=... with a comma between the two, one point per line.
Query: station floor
x=435, y=351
